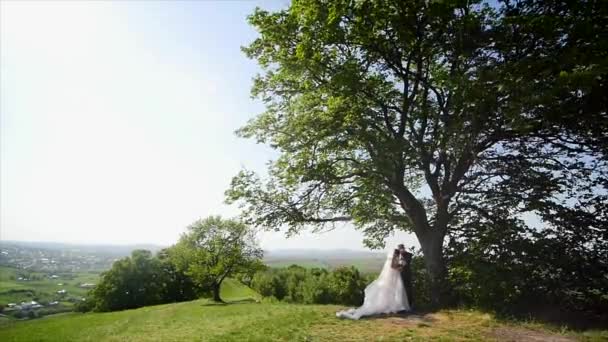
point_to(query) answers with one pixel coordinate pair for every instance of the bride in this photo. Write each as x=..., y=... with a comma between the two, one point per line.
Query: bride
x=386, y=294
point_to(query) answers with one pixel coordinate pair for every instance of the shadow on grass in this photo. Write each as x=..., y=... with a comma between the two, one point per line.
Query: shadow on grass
x=419, y=316
x=230, y=302
x=572, y=320
x=550, y=316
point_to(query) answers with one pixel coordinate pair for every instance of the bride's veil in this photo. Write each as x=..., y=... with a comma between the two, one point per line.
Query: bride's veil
x=386, y=269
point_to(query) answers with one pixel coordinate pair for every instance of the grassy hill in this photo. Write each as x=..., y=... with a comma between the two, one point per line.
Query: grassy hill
x=199, y=320
x=250, y=321
x=234, y=291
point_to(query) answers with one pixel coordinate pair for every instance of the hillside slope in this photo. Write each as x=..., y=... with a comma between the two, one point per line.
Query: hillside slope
x=201, y=320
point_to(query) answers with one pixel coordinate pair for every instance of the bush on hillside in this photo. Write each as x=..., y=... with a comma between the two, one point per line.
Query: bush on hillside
x=296, y=284
x=520, y=270
x=137, y=281
x=347, y=285
x=270, y=283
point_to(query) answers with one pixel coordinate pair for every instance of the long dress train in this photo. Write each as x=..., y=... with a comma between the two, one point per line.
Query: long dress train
x=386, y=294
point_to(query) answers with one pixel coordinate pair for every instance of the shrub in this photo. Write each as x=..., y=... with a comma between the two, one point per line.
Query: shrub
x=137, y=281
x=85, y=305
x=271, y=282
x=270, y=299
x=347, y=286
x=520, y=271
x=316, y=289
x=296, y=284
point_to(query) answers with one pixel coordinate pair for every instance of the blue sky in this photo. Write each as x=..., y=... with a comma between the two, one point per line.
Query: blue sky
x=117, y=120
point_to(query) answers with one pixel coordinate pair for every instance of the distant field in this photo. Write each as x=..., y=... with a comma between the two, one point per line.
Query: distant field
x=45, y=289
x=365, y=265
x=300, y=262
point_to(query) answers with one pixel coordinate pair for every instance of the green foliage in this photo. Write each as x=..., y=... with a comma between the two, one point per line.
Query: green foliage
x=55, y=310
x=139, y=280
x=246, y=274
x=86, y=305
x=179, y=286
x=346, y=285
x=132, y=282
x=498, y=110
x=270, y=283
x=296, y=284
x=512, y=272
x=421, y=284
x=213, y=249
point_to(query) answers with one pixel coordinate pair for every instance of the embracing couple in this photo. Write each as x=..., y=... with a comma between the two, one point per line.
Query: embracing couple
x=391, y=292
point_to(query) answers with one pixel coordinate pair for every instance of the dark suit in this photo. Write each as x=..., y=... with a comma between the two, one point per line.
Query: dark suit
x=406, y=276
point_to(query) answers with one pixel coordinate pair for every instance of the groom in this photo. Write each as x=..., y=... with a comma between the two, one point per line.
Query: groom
x=405, y=261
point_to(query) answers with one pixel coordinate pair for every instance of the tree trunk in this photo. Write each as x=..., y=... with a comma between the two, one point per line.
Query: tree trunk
x=431, y=241
x=432, y=249
x=216, y=293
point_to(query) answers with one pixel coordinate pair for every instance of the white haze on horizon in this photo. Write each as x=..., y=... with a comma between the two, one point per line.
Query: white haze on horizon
x=117, y=121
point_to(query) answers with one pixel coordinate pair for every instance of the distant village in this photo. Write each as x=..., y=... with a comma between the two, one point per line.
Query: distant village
x=33, y=305
x=51, y=260
x=37, y=280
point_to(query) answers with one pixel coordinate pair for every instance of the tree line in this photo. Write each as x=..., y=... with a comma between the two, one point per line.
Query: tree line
x=509, y=276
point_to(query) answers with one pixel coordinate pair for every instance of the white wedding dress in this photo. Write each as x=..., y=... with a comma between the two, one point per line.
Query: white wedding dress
x=386, y=294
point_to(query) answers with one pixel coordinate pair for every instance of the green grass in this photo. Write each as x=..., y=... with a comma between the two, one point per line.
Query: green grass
x=239, y=320
x=204, y=321
x=232, y=290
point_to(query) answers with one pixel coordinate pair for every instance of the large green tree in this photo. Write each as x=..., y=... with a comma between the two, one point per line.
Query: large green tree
x=435, y=117
x=213, y=249
x=132, y=282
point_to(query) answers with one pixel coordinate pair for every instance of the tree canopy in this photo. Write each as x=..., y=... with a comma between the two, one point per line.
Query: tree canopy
x=139, y=280
x=443, y=118
x=213, y=249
